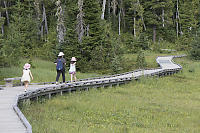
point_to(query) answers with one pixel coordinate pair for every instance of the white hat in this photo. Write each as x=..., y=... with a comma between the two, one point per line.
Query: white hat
x=73, y=59
x=27, y=66
x=61, y=54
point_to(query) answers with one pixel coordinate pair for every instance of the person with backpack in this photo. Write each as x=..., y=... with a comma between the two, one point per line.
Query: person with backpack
x=60, y=67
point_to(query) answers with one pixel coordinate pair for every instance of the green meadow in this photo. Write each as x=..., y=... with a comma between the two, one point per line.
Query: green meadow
x=43, y=71
x=150, y=105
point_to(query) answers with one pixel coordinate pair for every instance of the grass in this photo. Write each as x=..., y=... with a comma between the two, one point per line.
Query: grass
x=154, y=105
x=130, y=59
x=43, y=71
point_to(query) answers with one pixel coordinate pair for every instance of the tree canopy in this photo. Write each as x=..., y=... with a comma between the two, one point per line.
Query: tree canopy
x=97, y=32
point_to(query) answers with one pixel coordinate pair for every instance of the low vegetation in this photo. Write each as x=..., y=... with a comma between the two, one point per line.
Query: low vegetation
x=167, y=104
x=43, y=71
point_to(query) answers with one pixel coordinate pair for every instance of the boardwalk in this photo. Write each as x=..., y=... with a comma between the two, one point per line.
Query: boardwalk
x=11, y=123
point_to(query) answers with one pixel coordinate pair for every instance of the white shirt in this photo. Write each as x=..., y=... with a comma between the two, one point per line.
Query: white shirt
x=72, y=68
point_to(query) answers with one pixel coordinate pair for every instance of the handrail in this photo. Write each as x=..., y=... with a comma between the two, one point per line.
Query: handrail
x=22, y=117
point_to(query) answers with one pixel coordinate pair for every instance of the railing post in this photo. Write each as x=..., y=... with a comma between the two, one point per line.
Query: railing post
x=49, y=95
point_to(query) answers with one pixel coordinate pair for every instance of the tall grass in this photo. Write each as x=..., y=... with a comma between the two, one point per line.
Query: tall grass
x=150, y=105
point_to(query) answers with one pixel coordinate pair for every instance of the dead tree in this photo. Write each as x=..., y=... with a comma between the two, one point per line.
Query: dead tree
x=1, y=24
x=60, y=22
x=38, y=16
x=119, y=27
x=7, y=16
x=80, y=21
x=103, y=9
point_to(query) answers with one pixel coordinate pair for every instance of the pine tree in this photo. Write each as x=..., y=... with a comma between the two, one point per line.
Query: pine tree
x=93, y=39
x=188, y=20
x=195, y=47
x=141, y=62
x=157, y=15
x=134, y=15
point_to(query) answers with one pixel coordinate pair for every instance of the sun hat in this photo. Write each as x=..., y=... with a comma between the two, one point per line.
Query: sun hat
x=27, y=66
x=73, y=59
x=61, y=54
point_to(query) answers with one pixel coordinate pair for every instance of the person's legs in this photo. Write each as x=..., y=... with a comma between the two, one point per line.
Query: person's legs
x=25, y=85
x=63, y=75
x=58, y=75
x=71, y=77
x=74, y=75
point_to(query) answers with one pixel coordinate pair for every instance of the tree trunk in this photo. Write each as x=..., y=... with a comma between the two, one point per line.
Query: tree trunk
x=109, y=9
x=123, y=14
x=38, y=15
x=119, y=22
x=103, y=9
x=142, y=19
x=114, y=7
x=178, y=26
x=7, y=16
x=143, y=23
x=60, y=22
x=2, y=28
x=134, y=33
x=45, y=19
x=87, y=29
x=154, y=33
x=163, y=17
x=177, y=17
x=44, y=26
x=80, y=21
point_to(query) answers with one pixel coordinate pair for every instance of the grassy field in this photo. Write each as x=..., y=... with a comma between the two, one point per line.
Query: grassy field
x=153, y=105
x=43, y=71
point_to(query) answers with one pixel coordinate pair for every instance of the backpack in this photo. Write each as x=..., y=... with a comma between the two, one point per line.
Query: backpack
x=59, y=65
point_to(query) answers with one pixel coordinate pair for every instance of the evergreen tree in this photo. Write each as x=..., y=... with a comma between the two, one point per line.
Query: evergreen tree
x=134, y=14
x=157, y=14
x=188, y=20
x=25, y=27
x=71, y=46
x=141, y=62
x=93, y=39
x=195, y=47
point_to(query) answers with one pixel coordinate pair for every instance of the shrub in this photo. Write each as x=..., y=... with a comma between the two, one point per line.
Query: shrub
x=195, y=51
x=141, y=62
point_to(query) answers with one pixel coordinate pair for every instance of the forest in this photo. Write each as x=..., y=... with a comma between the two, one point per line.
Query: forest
x=97, y=32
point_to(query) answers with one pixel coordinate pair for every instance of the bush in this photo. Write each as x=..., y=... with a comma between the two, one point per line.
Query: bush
x=195, y=51
x=134, y=44
x=141, y=62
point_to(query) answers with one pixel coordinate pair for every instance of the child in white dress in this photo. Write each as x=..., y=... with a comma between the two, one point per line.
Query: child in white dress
x=26, y=76
x=72, y=70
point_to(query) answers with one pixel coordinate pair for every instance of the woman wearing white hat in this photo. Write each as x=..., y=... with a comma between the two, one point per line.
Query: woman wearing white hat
x=72, y=70
x=60, y=66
